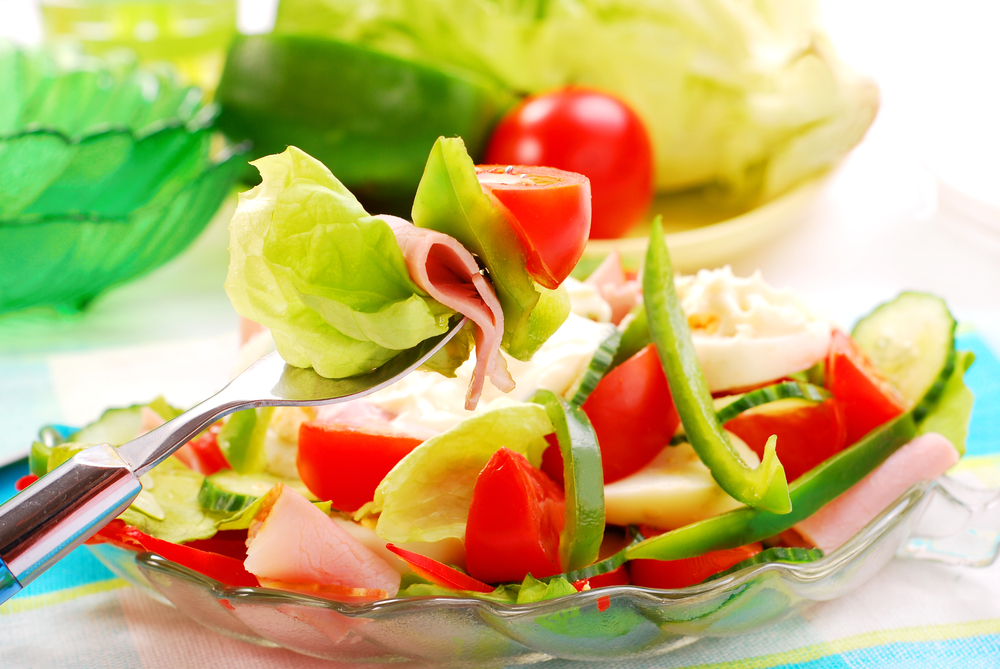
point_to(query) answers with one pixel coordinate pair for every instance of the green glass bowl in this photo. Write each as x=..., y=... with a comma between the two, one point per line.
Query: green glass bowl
x=106, y=171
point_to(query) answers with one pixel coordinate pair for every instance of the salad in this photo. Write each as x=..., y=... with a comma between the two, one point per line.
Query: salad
x=649, y=429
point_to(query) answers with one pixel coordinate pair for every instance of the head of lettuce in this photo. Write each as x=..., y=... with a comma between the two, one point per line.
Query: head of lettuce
x=330, y=281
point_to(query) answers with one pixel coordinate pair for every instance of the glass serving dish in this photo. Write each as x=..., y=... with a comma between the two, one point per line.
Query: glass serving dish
x=106, y=171
x=943, y=521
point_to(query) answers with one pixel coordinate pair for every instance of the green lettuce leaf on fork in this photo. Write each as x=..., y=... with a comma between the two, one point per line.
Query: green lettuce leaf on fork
x=328, y=279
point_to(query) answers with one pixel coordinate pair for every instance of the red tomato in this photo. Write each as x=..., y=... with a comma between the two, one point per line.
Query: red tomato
x=549, y=210
x=633, y=414
x=867, y=398
x=202, y=454
x=514, y=521
x=24, y=482
x=222, y=568
x=807, y=435
x=439, y=573
x=617, y=576
x=345, y=463
x=589, y=132
x=669, y=574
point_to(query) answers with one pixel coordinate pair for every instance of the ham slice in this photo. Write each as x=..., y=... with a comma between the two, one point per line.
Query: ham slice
x=925, y=458
x=448, y=272
x=617, y=290
x=293, y=545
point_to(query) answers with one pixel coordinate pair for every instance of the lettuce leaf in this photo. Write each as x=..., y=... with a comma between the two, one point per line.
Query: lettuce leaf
x=307, y=261
x=426, y=496
x=745, y=95
x=177, y=517
x=950, y=415
x=528, y=591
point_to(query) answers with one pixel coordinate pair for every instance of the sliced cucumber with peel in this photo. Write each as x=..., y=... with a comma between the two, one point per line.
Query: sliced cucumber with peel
x=911, y=340
x=600, y=362
x=231, y=491
x=778, y=396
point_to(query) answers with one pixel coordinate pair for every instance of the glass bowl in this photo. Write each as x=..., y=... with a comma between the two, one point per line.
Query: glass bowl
x=106, y=171
x=942, y=520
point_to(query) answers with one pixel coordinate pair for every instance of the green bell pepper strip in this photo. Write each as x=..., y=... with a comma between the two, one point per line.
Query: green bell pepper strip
x=808, y=494
x=583, y=476
x=241, y=440
x=764, y=487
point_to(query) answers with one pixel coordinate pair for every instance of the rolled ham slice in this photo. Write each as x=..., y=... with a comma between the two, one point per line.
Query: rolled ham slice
x=293, y=545
x=925, y=458
x=448, y=272
x=617, y=290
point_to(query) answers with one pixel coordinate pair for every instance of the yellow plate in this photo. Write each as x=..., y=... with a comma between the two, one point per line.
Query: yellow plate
x=701, y=233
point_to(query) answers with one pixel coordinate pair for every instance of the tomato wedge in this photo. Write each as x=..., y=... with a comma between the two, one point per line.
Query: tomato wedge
x=669, y=574
x=515, y=519
x=808, y=433
x=222, y=568
x=867, y=398
x=550, y=211
x=202, y=454
x=633, y=414
x=345, y=463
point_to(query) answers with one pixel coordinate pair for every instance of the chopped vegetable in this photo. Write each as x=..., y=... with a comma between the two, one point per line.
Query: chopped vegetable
x=426, y=496
x=671, y=574
x=241, y=440
x=771, y=555
x=868, y=399
x=633, y=414
x=582, y=481
x=450, y=200
x=345, y=463
x=549, y=210
x=764, y=487
x=438, y=573
x=515, y=521
x=329, y=280
x=808, y=494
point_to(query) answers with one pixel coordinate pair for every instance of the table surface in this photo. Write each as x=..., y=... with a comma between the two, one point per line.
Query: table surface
x=895, y=216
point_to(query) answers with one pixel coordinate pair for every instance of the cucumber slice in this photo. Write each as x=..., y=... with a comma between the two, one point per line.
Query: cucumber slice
x=634, y=338
x=231, y=491
x=776, y=554
x=38, y=460
x=604, y=566
x=911, y=340
x=599, y=365
x=786, y=390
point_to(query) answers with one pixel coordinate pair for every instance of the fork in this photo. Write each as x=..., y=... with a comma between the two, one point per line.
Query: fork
x=70, y=504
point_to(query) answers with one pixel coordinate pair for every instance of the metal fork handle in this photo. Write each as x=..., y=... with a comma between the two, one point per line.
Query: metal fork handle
x=59, y=512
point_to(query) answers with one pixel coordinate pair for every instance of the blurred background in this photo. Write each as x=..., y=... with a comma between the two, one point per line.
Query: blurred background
x=848, y=216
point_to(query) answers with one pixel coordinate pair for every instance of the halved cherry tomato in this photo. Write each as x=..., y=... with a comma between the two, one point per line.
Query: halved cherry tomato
x=202, y=454
x=222, y=568
x=516, y=516
x=549, y=210
x=345, y=463
x=439, y=573
x=807, y=434
x=589, y=132
x=633, y=414
x=669, y=574
x=867, y=398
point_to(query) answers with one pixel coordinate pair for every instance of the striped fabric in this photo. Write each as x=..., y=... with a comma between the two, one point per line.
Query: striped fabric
x=912, y=615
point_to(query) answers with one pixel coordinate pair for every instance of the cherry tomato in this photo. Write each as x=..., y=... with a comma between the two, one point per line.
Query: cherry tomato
x=514, y=522
x=589, y=132
x=632, y=413
x=669, y=574
x=807, y=434
x=439, y=573
x=345, y=463
x=549, y=210
x=867, y=398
